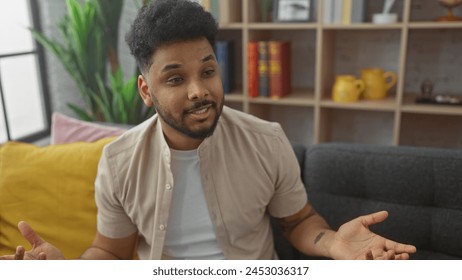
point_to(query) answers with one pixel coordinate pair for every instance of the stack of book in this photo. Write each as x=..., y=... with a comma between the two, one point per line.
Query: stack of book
x=269, y=70
x=344, y=11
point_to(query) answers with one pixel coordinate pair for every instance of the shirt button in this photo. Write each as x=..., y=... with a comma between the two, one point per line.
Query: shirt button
x=168, y=187
x=162, y=227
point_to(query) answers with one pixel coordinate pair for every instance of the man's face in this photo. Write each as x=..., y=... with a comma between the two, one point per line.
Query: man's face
x=184, y=86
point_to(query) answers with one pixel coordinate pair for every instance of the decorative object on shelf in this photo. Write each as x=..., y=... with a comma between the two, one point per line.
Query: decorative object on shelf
x=291, y=10
x=347, y=88
x=426, y=88
x=385, y=17
x=449, y=4
x=427, y=96
x=377, y=82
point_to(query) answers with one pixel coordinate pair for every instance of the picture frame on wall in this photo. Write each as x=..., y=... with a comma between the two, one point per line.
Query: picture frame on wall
x=291, y=10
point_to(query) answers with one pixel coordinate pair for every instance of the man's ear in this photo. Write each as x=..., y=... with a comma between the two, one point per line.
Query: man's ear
x=143, y=89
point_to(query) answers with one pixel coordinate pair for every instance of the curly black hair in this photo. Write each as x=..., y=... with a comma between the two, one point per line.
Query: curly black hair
x=168, y=21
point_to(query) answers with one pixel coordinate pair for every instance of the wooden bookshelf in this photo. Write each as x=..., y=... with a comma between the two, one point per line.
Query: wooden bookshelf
x=322, y=51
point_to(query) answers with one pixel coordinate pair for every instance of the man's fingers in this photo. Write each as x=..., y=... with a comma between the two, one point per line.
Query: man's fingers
x=374, y=218
x=399, y=247
x=369, y=255
x=7, y=258
x=29, y=234
x=403, y=256
x=19, y=254
x=42, y=256
x=390, y=255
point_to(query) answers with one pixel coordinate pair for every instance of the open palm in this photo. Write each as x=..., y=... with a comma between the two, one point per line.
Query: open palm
x=354, y=240
x=41, y=250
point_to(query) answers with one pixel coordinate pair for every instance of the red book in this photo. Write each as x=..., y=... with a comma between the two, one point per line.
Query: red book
x=252, y=68
x=279, y=69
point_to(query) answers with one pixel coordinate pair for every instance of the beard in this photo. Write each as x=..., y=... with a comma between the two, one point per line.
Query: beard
x=179, y=124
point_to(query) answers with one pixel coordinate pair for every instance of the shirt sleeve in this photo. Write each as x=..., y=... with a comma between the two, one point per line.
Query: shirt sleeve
x=112, y=220
x=290, y=193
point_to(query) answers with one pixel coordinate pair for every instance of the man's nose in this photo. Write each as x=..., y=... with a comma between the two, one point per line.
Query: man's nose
x=197, y=90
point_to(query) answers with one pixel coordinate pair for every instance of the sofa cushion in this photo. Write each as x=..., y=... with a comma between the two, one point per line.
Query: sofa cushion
x=420, y=187
x=65, y=129
x=52, y=189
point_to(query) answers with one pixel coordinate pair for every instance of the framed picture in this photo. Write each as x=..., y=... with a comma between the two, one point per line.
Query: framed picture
x=291, y=10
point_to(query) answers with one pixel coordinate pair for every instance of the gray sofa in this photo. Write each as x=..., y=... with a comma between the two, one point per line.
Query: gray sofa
x=421, y=188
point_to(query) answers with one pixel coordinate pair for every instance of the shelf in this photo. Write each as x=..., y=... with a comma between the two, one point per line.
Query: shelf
x=416, y=48
x=386, y=105
x=233, y=25
x=282, y=26
x=427, y=130
x=409, y=106
x=234, y=97
x=434, y=25
x=296, y=98
x=365, y=26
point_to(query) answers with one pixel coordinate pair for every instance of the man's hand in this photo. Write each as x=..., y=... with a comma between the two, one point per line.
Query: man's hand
x=354, y=240
x=41, y=250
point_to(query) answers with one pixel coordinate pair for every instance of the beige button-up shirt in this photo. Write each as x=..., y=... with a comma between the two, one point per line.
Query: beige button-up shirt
x=248, y=169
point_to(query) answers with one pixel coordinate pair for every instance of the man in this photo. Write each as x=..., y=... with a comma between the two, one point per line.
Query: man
x=200, y=180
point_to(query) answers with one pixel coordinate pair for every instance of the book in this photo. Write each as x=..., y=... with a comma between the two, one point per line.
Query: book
x=263, y=69
x=229, y=10
x=337, y=12
x=328, y=11
x=252, y=68
x=214, y=9
x=358, y=10
x=204, y=3
x=224, y=51
x=279, y=69
x=346, y=12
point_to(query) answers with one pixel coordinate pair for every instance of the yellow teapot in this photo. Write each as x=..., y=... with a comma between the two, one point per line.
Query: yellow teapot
x=377, y=82
x=347, y=88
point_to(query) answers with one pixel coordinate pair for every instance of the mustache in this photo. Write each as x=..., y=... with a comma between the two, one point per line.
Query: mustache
x=199, y=104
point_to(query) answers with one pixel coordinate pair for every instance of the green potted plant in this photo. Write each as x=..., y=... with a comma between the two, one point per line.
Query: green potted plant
x=88, y=47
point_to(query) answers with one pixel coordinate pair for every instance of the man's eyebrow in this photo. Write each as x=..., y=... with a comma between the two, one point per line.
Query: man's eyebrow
x=169, y=67
x=207, y=58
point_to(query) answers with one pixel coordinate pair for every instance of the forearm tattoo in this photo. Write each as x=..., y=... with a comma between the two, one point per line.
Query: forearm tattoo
x=318, y=237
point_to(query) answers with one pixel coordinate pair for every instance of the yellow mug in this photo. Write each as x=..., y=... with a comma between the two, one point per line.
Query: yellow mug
x=377, y=82
x=347, y=88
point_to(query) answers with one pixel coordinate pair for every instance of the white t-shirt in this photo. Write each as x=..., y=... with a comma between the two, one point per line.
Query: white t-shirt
x=190, y=233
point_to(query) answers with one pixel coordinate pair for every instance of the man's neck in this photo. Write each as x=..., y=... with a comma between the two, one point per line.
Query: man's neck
x=177, y=140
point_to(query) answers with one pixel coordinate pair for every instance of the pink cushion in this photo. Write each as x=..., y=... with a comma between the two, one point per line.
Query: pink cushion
x=65, y=129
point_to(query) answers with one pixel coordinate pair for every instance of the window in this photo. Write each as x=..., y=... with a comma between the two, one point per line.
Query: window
x=24, y=111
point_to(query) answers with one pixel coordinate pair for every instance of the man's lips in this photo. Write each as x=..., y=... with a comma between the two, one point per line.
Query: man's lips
x=199, y=110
